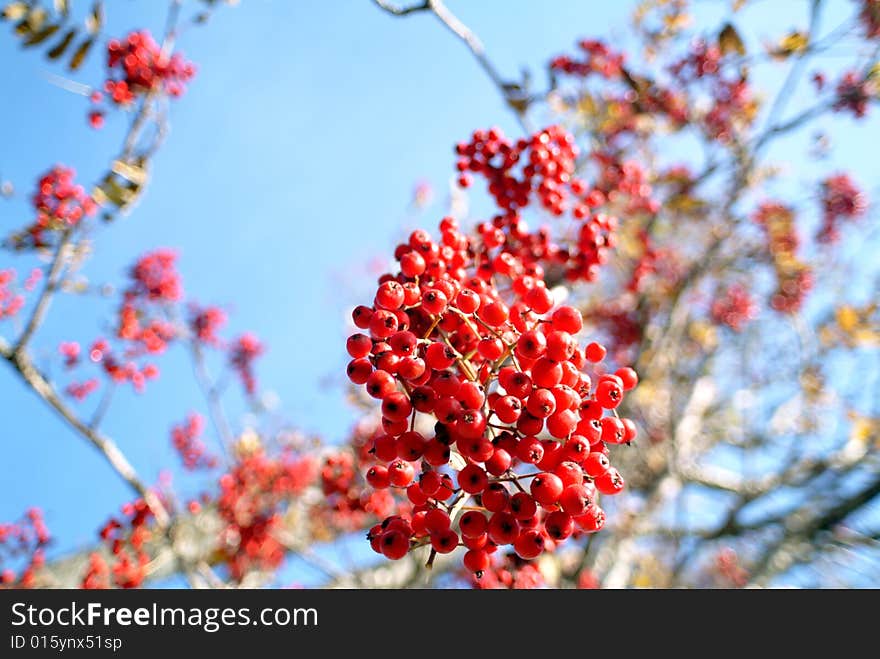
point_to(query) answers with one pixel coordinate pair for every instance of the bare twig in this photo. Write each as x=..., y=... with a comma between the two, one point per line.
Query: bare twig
x=513, y=94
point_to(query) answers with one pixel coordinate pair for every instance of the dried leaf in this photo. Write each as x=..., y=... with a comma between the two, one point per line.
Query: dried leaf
x=95, y=19
x=62, y=45
x=14, y=11
x=39, y=37
x=729, y=40
x=80, y=55
x=36, y=18
x=791, y=44
x=129, y=171
x=62, y=7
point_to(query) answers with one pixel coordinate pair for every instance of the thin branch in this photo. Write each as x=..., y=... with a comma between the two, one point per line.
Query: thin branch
x=515, y=97
x=402, y=11
x=210, y=391
x=45, y=299
x=106, y=446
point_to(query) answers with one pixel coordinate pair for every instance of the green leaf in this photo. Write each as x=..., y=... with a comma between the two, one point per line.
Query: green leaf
x=59, y=49
x=80, y=55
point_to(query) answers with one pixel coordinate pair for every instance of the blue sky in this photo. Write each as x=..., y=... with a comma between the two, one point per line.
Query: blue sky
x=290, y=166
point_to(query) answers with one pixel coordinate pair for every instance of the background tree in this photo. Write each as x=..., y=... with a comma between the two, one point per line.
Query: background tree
x=691, y=188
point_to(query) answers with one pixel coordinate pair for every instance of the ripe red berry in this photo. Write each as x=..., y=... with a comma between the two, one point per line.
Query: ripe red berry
x=359, y=345
x=377, y=477
x=400, y=473
x=477, y=561
x=473, y=524
x=529, y=544
x=444, y=542
x=503, y=528
x=610, y=482
x=473, y=479
x=394, y=545
x=595, y=352
x=546, y=489
x=628, y=377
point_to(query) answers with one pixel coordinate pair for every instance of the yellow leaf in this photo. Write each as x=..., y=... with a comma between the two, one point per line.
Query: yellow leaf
x=795, y=43
x=847, y=318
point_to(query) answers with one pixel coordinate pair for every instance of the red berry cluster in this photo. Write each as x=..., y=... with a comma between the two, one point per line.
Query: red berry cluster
x=854, y=92
x=469, y=336
x=348, y=503
x=126, y=538
x=624, y=184
x=253, y=496
x=618, y=108
x=511, y=573
x=70, y=350
x=734, y=307
x=598, y=58
x=794, y=278
x=541, y=165
x=121, y=370
x=620, y=322
x=10, y=301
x=137, y=65
x=205, y=322
x=186, y=439
x=23, y=541
x=58, y=203
x=244, y=351
x=841, y=200
x=733, y=103
x=79, y=391
x=154, y=281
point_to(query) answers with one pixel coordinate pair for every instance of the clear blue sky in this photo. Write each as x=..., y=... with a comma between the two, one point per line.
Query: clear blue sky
x=289, y=167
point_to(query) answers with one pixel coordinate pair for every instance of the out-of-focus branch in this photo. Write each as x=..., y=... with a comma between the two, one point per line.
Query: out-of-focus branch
x=212, y=396
x=402, y=11
x=106, y=446
x=52, y=281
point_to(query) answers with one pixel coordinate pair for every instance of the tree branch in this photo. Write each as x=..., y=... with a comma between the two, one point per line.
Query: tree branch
x=45, y=299
x=120, y=464
x=513, y=94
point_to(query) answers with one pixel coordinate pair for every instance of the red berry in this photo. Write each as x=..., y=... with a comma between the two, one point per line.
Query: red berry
x=595, y=352
x=546, y=489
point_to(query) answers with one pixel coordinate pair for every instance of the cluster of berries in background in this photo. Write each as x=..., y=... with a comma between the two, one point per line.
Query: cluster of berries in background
x=841, y=200
x=542, y=166
x=138, y=66
x=468, y=339
x=733, y=105
x=734, y=307
x=149, y=318
x=794, y=278
x=854, y=93
x=23, y=542
x=126, y=538
x=186, y=439
x=253, y=496
x=59, y=203
x=598, y=58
